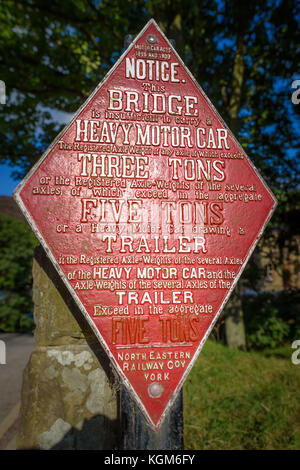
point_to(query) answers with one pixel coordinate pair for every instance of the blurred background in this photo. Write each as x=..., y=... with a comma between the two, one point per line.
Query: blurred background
x=243, y=391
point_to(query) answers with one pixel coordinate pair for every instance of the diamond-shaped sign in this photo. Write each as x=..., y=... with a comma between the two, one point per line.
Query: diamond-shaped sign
x=149, y=209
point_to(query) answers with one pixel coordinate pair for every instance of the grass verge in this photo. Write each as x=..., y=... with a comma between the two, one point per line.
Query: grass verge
x=241, y=400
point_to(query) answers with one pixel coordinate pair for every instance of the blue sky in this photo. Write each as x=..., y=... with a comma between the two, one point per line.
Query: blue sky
x=7, y=183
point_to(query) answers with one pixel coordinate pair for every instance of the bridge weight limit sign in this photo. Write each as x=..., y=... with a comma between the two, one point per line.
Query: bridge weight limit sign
x=149, y=209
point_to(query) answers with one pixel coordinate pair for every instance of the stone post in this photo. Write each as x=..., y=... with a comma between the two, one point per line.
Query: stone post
x=70, y=397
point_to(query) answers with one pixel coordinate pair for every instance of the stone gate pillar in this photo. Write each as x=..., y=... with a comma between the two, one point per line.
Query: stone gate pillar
x=70, y=397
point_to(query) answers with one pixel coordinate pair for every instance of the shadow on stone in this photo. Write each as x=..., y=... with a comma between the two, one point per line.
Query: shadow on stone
x=45, y=263
x=85, y=437
x=70, y=393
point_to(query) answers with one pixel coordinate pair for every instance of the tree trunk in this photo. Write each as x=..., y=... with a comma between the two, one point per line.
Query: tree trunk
x=234, y=318
x=234, y=322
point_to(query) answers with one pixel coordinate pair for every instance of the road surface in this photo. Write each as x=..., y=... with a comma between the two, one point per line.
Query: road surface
x=18, y=348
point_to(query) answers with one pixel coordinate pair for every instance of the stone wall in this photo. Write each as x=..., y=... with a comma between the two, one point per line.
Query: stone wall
x=70, y=396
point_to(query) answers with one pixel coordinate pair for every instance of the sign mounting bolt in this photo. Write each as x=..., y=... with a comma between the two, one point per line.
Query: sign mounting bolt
x=152, y=39
x=155, y=390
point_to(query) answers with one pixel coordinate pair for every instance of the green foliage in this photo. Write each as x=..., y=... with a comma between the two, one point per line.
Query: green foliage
x=17, y=243
x=272, y=319
x=271, y=331
x=241, y=400
x=52, y=56
x=55, y=67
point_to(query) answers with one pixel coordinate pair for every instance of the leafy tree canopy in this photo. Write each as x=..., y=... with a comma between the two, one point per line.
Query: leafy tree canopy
x=53, y=54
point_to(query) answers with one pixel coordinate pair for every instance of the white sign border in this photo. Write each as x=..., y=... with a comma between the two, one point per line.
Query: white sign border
x=62, y=275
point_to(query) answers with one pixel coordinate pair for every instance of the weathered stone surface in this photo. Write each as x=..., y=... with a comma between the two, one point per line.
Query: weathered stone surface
x=68, y=400
x=55, y=324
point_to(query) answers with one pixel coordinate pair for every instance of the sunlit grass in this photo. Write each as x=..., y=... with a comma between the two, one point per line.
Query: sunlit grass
x=242, y=400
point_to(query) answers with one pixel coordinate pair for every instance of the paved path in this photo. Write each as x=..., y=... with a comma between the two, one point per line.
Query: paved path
x=18, y=349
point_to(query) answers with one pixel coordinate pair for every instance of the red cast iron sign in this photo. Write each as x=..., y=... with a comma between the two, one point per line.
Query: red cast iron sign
x=149, y=209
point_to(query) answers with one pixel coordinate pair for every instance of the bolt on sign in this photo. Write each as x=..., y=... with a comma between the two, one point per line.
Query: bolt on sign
x=149, y=209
